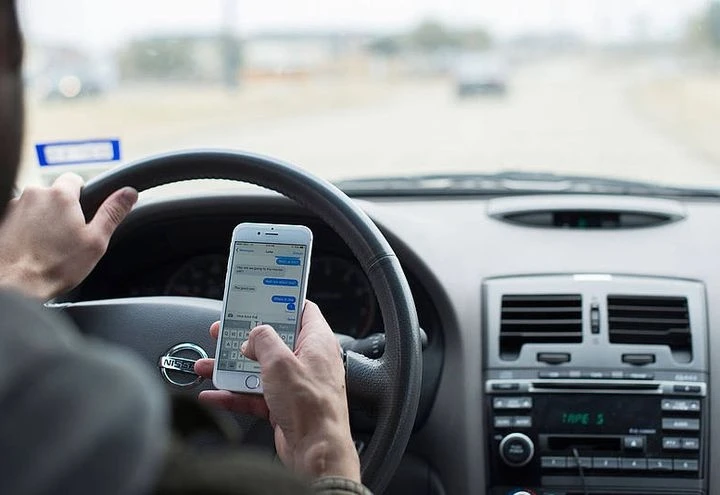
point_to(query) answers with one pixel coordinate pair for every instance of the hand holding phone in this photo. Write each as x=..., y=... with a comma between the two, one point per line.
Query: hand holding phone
x=304, y=393
x=265, y=284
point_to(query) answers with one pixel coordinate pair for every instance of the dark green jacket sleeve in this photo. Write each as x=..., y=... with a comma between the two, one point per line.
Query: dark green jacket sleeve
x=339, y=486
x=75, y=416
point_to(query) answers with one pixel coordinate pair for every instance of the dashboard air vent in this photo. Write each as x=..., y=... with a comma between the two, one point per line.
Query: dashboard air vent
x=585, y=211
x=651, y=320
x=540, y=319
x=582, y=219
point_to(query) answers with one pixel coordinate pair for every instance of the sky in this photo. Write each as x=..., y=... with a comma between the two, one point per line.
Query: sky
x=105, y=24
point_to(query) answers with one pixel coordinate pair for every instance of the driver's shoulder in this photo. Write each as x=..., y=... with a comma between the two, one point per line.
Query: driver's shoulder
x=35, y=339
x=77, y=403
x=27, y=328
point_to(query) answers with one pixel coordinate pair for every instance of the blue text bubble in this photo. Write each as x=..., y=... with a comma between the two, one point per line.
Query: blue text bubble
x=287, y=261
x=283, y=299
x=291, y=307
x=286, y=282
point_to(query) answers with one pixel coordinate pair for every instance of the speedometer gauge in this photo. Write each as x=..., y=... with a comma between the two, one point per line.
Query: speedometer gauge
x=344, y=295
x=201, y=276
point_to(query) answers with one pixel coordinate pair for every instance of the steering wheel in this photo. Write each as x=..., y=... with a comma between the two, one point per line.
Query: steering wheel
x=154, y=325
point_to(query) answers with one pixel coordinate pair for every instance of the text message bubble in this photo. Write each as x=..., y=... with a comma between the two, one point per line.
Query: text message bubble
x=285, y=282
x=283, y=299
x=287, y=261
x=244, y=288
x=260, y=271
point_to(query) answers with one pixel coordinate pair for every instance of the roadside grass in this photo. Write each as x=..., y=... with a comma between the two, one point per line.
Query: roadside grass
x=685, y=107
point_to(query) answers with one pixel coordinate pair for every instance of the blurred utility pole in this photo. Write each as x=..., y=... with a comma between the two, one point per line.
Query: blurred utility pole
x=714, y=23
x=230, y=45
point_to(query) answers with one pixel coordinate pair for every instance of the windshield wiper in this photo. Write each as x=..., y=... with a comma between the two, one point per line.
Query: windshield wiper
x=510, y=183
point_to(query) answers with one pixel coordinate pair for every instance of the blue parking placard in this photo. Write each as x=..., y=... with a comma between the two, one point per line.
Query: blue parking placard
x=78, y=152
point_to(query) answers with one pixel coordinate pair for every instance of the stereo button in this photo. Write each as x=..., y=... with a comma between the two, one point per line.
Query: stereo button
x=633, y=464
x=516, y=449
x=634, y=443
x=596, y=375
x=553, y=462
x=638, y=375
x=683, y=405
x=505, y=386
x=681, y=424
x=671, y=443
x=605, y=463
x=522, y=421
x=687, y=389
x=503, y=422
x=585, y=462
x=499, y=403
x=552, y=374
x=512, y=403
x=691, y=444
x=685, y=465
x=660, y=464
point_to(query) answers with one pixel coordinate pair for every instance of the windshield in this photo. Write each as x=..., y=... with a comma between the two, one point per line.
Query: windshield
x=356, y=89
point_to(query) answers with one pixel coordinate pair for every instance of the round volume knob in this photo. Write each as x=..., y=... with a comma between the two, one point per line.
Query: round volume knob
x=516, y=449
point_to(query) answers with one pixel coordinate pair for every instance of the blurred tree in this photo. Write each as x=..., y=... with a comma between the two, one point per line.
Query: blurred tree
x=475, y=39
x=713, y=21
x=386, y=46
x=157, y=58
x=704, y=30
x=432, y=35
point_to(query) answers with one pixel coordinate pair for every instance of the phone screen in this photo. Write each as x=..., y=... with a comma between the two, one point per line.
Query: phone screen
x=265, y=287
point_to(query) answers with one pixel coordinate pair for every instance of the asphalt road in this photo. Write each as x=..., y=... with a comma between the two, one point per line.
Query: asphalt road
x=567, y=116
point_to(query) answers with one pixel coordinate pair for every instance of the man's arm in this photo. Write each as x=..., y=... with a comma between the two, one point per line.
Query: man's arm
x=305, y=398
x=46, y=247
x=339, y=486
x=77, y=417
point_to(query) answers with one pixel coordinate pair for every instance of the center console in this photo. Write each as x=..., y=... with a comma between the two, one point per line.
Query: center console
x=595, y=384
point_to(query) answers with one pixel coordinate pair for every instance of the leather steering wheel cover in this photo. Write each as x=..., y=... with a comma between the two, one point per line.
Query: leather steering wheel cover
x=396, y=377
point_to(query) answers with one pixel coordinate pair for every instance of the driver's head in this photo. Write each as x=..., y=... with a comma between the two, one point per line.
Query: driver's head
x=11, y=99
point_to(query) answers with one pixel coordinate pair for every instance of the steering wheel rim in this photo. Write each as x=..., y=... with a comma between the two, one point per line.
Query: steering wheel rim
x=392, y=382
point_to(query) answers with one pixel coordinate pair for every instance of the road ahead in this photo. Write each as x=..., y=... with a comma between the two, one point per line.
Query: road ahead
x=567, y=116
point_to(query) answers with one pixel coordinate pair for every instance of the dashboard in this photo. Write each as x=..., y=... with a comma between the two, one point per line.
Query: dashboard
x=565, y=357
x=337, y=284
x=189, y=258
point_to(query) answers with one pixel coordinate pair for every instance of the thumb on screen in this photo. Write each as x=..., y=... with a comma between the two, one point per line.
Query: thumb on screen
x=264, y=345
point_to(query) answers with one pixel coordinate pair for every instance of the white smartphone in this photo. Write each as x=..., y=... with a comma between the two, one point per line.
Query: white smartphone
x=266, y=283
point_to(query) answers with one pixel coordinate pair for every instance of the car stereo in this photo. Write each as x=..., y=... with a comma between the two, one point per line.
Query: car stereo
x=595, y=385
x=601, y=435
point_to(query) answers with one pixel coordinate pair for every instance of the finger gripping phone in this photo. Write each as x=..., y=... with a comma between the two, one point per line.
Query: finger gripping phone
x=266, y=283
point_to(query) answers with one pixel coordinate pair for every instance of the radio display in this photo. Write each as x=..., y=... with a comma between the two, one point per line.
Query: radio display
x=597, y=414
x=585, y=418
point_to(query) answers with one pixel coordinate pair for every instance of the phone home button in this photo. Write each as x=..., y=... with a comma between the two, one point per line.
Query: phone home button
x=252, y=382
